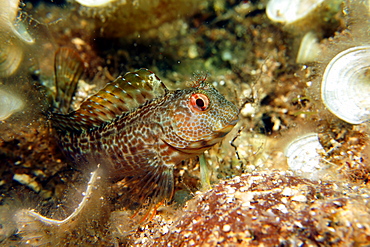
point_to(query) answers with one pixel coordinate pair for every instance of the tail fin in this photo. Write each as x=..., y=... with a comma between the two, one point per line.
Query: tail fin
x=68, y=68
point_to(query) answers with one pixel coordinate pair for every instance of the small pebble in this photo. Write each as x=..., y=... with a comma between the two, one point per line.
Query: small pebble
x=299, y=198
x=226, y=228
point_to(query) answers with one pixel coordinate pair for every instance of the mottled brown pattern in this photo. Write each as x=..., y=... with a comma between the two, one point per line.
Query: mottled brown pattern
x=143, y=144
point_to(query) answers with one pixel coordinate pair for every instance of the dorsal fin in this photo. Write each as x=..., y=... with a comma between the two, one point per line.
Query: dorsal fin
x=120, y=96
x=68, y=68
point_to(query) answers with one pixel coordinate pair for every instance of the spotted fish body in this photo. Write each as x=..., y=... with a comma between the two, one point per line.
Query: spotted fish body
x=138, y=130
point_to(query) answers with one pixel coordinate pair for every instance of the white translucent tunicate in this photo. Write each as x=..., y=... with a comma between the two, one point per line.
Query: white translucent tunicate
x=9, y=12
x=20, y=30
x=10, y=27
x=11, y=56
x=12, y=37
x=289, y=11
x=303, y=155
x=309, y=48
x=9, y=104
x=94, y=3
x=345, y=87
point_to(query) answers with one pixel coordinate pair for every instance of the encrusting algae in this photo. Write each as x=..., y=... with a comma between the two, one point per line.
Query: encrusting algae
x=136, y=129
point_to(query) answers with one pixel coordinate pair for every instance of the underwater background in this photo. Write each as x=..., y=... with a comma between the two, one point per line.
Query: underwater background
x=294, y=171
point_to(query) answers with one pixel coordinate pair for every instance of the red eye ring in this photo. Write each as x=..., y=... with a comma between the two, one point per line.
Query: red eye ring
x=199, y=102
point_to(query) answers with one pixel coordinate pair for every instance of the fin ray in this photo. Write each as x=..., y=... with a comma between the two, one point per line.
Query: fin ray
x=120, y=96
x=68, y=68
x=155, y=181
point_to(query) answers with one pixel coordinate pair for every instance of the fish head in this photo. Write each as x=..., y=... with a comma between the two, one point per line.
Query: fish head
x=201, y=117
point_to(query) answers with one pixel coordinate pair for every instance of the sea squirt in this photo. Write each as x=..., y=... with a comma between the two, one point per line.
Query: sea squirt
x=9, y=104
x=345, y=85
x=137, y=129
x=13, y=38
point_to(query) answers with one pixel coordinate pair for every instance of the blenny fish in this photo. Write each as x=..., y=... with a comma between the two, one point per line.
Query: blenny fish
x=136, y=128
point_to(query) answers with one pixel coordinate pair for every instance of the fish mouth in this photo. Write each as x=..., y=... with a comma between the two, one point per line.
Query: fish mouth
x=228, y=127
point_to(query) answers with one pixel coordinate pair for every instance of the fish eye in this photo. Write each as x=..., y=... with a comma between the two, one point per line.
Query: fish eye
x=199, y=102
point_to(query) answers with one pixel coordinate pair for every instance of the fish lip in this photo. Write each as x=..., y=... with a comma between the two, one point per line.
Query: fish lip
x=234, y=122
x=229, y=127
